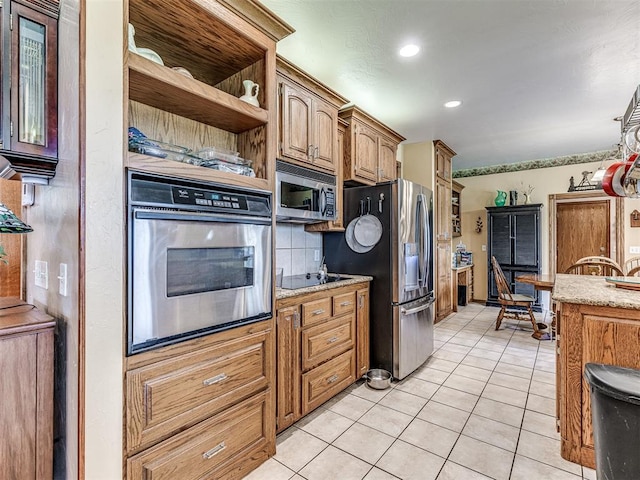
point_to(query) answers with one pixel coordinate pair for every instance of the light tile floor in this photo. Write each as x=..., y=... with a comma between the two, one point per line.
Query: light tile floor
x=482, y=407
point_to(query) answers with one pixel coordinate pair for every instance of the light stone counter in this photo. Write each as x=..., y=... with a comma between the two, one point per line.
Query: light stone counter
x=593, y=290
x=345, y=280
x=462, y=267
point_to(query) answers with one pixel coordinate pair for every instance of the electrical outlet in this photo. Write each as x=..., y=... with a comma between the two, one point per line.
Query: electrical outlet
x=41, y=274
x=62, y=280
x=634, y=250
x=484, y=248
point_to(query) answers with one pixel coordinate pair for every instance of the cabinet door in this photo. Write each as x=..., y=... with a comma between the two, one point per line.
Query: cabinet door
x=325, y=129
x=26, y=410
x=443, y=164
x=362, y=326
x=296, y=135
x=34, y=67
x=500, y=238
x=443, y=287
x=288, y=366
x=386, y=160
x=524, y=230
x=365, y=151
x=443, y=210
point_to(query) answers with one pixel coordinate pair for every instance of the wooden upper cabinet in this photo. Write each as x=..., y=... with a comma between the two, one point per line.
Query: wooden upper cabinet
x=29, y=120
x=221, y=44
x=308, y=119
x=443, y=210
x=386, y=160
x=443, y=155
x=325, y=125
x=364, y=154
x=370, y=149
x=295, y=128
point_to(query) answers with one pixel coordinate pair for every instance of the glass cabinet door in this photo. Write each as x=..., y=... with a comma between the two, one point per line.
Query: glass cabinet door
x=34, y=82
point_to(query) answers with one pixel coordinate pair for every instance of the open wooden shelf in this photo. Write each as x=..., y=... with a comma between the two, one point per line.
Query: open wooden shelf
x=161, y=87
x=162, y=166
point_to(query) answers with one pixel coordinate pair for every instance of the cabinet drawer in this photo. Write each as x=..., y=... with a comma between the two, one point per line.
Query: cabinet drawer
x=210, y=449
x=316, y=311
x=326, y=340
x=344, y=303
x=167, y=396
x=325, y=381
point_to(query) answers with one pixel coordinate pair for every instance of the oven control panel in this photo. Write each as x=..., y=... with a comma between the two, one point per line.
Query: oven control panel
x=150, y=190
x=209, y=198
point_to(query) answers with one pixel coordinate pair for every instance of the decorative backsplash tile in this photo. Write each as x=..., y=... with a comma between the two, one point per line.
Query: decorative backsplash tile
x=534, y=164
x=296, y=249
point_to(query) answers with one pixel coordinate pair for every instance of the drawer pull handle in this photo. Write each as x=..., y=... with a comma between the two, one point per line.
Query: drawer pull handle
x=318, y=312
x=345, y=304
x=332, y=379
x=213, y=380
x=214, y=451
x=332, y=340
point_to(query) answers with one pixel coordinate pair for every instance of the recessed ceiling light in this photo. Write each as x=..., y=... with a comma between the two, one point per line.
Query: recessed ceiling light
x=453, y=104
x=409, y=50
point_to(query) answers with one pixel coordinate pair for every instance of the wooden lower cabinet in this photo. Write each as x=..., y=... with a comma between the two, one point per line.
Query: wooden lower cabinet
x=26, y=392
x=362, y=334
x=589, y=334
x=227, y=445
x=327, y=380
x=444, y=300
x=322, y=346
x=203, y=408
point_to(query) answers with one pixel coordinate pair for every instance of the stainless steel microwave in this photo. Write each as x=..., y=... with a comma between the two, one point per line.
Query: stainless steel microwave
x=304, y=195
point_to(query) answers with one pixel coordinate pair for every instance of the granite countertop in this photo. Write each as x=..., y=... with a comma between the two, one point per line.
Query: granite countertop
x=344, y=280
x=593, y=290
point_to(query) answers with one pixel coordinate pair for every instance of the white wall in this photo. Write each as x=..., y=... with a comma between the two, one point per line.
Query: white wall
x=417, y=162
x=104, y=274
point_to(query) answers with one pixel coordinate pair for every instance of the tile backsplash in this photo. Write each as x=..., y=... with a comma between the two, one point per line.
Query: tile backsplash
x=296, y=249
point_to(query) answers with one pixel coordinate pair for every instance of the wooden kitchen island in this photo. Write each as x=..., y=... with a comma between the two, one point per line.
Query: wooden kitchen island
x=598, y=323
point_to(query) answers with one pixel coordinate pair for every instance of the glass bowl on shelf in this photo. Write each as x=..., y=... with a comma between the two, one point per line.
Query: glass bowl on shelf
x=156, y=148
x=223, y=160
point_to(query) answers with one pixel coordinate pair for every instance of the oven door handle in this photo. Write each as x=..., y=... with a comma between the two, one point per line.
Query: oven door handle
x=198, y=217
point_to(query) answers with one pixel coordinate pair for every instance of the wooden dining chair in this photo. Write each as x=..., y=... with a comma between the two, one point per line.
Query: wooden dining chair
x=594, y=265
x=513, y=305
x=631, y=267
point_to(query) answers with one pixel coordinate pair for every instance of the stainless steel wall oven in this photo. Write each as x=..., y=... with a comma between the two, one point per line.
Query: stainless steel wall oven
x=199, y=259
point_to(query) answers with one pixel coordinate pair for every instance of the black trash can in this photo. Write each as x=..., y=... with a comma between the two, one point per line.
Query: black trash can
x=462, y=295
x=615, y=414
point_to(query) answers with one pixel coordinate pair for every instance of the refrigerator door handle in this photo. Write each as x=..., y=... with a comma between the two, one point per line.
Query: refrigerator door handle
x=422, y=237
x=414, y=310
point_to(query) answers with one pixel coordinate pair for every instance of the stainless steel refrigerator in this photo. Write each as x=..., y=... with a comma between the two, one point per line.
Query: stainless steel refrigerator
x=400, y=262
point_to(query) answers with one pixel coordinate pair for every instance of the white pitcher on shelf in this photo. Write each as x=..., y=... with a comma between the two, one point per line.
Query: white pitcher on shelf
x=250, y=96
x=144, y=52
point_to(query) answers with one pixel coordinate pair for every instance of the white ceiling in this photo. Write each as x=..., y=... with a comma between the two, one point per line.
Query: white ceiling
x=538, y=78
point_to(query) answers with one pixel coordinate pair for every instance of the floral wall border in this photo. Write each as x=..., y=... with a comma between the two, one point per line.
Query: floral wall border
x=534, y=164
